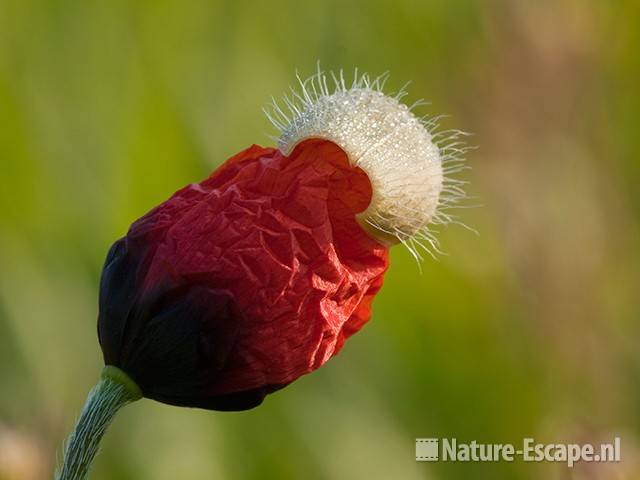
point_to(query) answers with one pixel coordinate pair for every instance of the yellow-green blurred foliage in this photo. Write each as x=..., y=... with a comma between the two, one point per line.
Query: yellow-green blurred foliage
x=529, y=329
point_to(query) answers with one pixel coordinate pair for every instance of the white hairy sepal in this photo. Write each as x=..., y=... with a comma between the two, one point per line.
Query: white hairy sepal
x=406, y=161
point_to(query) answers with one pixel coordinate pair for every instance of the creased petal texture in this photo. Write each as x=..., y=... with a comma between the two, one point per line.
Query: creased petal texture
x=236, y=286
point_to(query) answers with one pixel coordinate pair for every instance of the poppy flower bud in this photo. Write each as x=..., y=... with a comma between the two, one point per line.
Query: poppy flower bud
x=236, y=286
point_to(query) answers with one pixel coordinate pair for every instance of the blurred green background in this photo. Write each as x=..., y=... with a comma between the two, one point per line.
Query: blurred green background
x=530, y=329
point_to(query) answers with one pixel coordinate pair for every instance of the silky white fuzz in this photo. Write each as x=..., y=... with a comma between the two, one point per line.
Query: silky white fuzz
x=409, y=163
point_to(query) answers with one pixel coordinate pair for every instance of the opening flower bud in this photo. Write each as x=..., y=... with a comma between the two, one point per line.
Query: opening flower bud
x=236, y=286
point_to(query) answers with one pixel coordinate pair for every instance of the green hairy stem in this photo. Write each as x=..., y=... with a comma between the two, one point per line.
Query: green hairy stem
x=114, y=390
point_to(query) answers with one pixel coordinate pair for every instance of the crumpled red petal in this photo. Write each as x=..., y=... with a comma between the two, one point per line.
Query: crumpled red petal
x=238, y=285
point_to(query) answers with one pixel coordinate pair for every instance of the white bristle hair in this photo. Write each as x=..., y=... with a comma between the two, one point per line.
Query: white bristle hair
x=410, y=164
